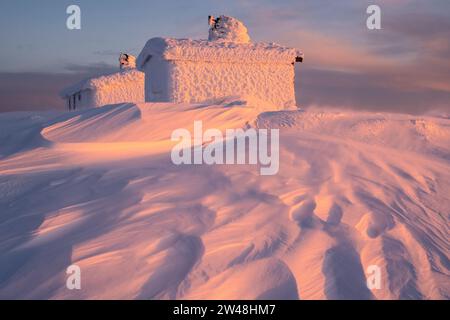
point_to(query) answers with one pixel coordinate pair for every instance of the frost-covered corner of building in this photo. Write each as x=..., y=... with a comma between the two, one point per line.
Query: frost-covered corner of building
x=226, y=65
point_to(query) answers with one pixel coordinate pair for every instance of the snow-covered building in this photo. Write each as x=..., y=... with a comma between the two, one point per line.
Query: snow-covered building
x=225, y=65
x=127, y=85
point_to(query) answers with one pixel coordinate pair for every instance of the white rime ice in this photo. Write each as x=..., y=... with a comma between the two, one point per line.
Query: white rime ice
x=228, y=29
x=120, y=87
x=127, y=61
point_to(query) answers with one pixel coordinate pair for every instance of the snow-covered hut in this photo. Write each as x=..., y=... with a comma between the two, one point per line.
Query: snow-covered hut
x=127, y=85
x=225, y=65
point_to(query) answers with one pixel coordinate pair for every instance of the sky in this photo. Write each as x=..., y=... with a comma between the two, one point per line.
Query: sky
x=404, y=67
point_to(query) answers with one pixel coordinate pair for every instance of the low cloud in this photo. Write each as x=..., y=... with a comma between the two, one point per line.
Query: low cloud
x=92, y=69
x=369, y=92
x=107, y=53
x=402, y=68
x=40, y=91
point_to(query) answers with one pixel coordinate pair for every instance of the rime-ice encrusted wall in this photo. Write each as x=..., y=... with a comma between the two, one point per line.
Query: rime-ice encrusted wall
x=157, y=80
x=125, y=86
x=120, y=87
x=202, y=81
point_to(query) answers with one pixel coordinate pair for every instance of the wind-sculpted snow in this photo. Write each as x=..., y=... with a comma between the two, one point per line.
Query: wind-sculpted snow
x=97, y=188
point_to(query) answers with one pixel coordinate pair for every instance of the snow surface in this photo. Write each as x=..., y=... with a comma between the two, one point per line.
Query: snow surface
x=96, y=188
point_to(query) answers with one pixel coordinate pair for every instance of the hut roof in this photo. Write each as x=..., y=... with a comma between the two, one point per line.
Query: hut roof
x=97, y=83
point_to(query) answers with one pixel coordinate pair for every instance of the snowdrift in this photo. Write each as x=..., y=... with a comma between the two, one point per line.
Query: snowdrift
x=96, y=188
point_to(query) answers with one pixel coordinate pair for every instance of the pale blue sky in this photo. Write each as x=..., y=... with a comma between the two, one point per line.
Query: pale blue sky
x=34, y=36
